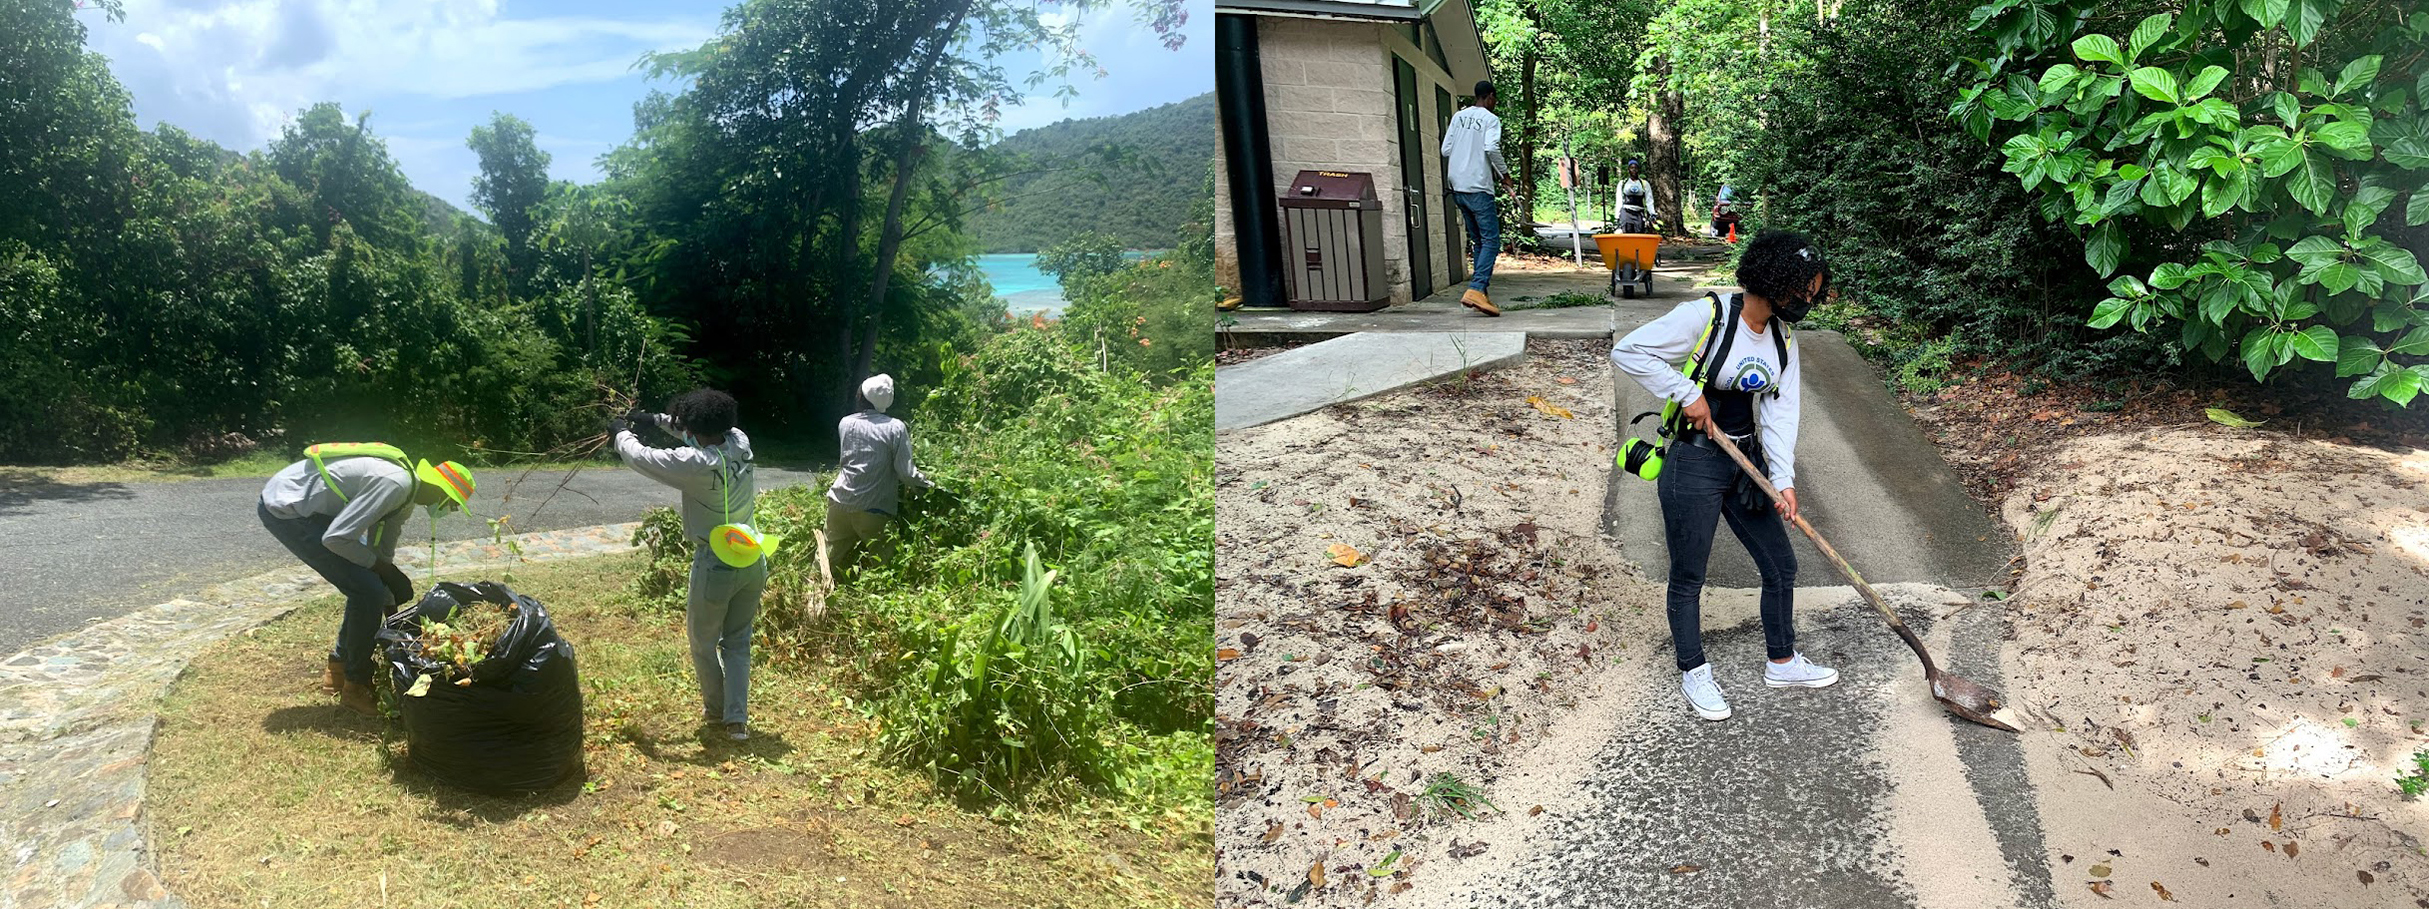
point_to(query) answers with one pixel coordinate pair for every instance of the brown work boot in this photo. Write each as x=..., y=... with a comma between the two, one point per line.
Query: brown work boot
x=358, y=698
x=1475, y=299
x=332, y=678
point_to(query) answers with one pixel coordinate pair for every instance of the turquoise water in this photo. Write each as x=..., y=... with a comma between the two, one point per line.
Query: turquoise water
x=1025, y=289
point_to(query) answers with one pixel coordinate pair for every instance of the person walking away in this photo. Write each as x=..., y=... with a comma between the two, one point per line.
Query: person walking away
x=341, y=510
x=1472, y=143
x=876, y=461
x=712, y=470
x=1637, y=214
x=1742, y=378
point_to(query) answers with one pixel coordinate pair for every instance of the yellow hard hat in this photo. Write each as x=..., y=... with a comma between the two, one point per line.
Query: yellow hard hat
x=741, y=545
x=450, y=477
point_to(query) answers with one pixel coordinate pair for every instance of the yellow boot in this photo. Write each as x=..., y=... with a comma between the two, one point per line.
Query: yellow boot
x=1476, y=300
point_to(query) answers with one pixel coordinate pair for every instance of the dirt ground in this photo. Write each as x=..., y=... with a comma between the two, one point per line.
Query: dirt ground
x=2221, y=632
x=1488, y=610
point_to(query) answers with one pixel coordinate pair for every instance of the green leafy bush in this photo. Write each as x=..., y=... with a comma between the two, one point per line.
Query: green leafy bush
x=2251, y=171
x=2416, y=782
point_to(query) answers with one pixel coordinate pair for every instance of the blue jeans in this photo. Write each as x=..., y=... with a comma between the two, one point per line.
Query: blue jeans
x=1694, y=491
x=723, y=603
x=1484, y=233
x=370, y=593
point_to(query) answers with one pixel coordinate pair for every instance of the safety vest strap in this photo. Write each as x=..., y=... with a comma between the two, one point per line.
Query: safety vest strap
x=1705, y=354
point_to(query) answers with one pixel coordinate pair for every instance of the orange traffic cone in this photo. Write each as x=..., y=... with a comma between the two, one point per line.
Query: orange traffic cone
x=1732, y=234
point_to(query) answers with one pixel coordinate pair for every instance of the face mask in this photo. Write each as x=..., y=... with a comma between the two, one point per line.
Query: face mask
x=1794, y=311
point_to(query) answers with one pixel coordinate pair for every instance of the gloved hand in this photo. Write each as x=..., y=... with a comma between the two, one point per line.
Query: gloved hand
x=618, y=425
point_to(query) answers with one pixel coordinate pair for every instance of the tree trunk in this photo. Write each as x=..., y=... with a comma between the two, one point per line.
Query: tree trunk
x=907, y=151
x=1664, y=147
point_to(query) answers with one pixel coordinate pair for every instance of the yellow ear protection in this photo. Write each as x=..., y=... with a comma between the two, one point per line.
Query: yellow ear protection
x=738, y=545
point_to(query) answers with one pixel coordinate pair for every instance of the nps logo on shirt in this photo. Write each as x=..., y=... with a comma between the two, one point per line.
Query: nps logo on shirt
x=1753, y=374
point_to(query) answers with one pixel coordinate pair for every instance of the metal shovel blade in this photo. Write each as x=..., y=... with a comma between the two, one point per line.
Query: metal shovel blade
x=1967, y=698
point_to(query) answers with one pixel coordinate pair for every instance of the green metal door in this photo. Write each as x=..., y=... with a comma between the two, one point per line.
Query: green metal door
x=1414, y=198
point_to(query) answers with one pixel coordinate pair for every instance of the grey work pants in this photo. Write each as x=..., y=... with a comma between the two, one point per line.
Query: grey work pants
x=723, y=604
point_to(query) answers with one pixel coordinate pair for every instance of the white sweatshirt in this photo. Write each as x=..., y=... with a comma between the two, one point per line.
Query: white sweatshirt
x=1621, y=197
x=1656, y=351
x=1473, y=144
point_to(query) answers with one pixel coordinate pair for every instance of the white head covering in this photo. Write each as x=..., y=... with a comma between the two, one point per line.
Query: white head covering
x=879, y=389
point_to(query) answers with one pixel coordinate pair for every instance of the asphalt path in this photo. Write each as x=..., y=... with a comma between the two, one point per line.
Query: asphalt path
x=77, y=553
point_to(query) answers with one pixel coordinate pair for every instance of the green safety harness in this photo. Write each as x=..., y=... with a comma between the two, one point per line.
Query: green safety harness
x=321, y=454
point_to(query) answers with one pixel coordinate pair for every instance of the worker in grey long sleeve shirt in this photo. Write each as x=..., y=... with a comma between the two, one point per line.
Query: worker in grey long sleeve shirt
x=712, y=471
x=876, y=461
x=342, y=510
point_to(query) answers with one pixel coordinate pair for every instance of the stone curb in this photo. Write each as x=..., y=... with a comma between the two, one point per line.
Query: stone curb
x=78, y=714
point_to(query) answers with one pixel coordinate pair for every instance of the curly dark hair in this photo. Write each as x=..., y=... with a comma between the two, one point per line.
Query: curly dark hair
x=703, y=412
x=1780, y=265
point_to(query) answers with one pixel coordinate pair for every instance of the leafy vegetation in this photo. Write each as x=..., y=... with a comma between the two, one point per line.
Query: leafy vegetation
x=2256, y=163
x=163, y=295
x=1143, y=168
x=995, y=681
x=2417, y=781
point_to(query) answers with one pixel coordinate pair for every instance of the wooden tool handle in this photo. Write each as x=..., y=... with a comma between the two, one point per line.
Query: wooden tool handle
x=1846, y=570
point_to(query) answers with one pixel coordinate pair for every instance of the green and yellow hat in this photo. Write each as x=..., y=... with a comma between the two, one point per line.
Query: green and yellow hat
x=741, y=545
x=450, y=477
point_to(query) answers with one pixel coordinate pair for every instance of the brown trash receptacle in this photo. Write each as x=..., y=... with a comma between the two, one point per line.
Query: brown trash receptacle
x=1332, y=235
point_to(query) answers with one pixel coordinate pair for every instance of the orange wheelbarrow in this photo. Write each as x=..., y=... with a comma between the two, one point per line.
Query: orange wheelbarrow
x=1630, y=259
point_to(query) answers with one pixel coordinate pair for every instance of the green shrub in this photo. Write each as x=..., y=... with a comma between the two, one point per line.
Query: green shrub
x=2416, y=782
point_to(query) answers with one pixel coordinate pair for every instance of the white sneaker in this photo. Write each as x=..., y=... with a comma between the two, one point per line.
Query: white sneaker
x=1798, y=672
x=1703, y=694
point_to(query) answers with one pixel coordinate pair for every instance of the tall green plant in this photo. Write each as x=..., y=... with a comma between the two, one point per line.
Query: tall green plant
x=2237, y=166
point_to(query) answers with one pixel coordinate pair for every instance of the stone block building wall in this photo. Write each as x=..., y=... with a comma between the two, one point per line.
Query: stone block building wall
x=1329, y=105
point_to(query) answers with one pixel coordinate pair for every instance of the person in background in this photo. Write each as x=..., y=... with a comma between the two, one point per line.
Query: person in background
x=712, y=471
x=1637, y=214
x=875, y=452
x=1472, y=143
x=341, y=510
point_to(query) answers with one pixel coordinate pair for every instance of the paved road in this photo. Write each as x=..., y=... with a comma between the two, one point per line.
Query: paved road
x=1861, y=796
x=78, y=553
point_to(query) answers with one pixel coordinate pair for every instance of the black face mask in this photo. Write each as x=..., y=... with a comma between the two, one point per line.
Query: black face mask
x=1794, y=311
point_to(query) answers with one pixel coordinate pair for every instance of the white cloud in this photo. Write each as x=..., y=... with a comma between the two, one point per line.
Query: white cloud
x=233, y=71
x=1139, y=71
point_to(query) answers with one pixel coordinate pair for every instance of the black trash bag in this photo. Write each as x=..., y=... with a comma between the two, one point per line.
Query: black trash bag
x=518, y=726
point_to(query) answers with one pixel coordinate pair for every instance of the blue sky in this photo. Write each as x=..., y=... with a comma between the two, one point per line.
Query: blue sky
x=234, y=71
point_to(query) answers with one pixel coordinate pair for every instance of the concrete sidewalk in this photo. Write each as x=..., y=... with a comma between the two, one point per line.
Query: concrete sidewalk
x=1348, y=368
x=1514, y=289
x=1867, y=479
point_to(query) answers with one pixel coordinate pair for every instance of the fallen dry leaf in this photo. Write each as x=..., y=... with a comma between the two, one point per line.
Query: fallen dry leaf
x=1273, y=833
x=1549, y=408
x=1227, y=653
x=2277, y=817
x=2265, y=845
x=1315, y=874
x=2100, y=870
x=2164, y=895
x=1685, y=869
x=1565, y=380
x=2365, y=877
x=1531, y=812
x=2102, y=888
x=1345, y=555
x=1316, y=810
x=2293, y=849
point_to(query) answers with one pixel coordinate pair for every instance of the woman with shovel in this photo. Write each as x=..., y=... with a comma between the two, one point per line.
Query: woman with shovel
x=1740, y=379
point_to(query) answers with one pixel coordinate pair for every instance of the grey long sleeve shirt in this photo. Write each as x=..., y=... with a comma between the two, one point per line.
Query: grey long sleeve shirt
x=705, y=476
x=876, y=460
x=365, y=523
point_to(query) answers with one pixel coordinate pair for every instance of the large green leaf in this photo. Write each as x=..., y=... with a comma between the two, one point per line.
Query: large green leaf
x=2098, y=47
x=2362, y=71
x=2317, y=342
x=2148, y=32
x=2057, y=79
x=2220, y=193
x=2305, y=18
x=2346, y=139
x=2395, y=262
x=2314, y=183
x=2287, y=108
x=2316, y=252
x=2155, y=83
x=2416, y=212
x=2106, y=249
x=2205, y=81
x=2168, y=276
x=2267, y=12
x=2409, y=154
x=2415, y=343
x=2363, y=209
x=2339, y=277
x=2356, y=357
x=2399, y=385
x=2260, y=352
x=2107, y=312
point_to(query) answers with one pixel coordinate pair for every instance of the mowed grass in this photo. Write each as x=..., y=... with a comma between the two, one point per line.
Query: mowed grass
x=263, y=792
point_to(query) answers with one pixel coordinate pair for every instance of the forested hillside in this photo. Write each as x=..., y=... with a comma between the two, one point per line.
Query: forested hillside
x=1158, y=158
